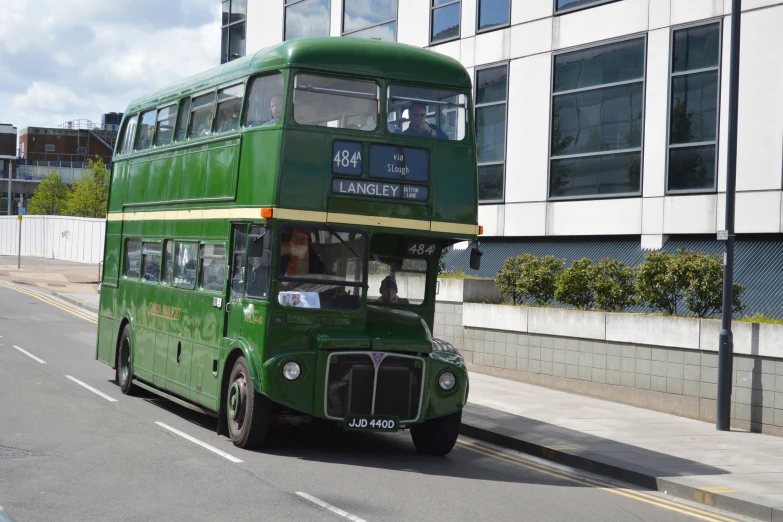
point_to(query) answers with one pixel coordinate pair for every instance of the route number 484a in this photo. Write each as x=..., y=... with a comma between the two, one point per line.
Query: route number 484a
x=343, y=158
x=421, y=249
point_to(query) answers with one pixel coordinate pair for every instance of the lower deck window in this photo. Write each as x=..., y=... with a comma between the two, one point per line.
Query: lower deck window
x=396, y=280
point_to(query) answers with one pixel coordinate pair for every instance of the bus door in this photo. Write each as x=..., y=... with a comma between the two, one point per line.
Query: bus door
x=258, y=282
x=232, y=325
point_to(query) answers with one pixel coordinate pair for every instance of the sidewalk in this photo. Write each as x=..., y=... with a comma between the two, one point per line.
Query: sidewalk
x=76, y=283
x=736, y=471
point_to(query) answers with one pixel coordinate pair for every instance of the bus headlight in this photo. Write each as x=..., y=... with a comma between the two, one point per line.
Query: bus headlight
x=446, y=381
x=291, y=371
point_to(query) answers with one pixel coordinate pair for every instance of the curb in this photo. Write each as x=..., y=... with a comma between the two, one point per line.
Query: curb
x=738, y=503
x=80, y=304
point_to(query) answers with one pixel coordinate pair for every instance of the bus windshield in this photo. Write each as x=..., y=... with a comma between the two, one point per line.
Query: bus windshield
x=427, y=113
x=396, y=280
x=336, y=102
x=321, y=268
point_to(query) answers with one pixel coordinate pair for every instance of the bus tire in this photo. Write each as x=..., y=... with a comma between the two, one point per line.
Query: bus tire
x=248, y=412
x=437, y=437
x=123, y=373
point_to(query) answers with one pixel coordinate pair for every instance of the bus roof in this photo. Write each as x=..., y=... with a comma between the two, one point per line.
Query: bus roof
x=360, y=56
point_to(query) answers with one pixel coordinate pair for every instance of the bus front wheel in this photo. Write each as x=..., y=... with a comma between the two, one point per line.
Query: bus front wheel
x=124, y=369
x=248, y=412
x=437, y=436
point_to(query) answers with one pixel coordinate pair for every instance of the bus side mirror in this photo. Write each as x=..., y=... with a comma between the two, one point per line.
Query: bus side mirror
x=475, y=258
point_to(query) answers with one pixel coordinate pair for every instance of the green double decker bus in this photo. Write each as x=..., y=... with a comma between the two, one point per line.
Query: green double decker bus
x=273, y=240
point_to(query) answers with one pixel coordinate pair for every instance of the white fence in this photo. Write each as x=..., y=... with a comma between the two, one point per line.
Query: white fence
x=54, y=237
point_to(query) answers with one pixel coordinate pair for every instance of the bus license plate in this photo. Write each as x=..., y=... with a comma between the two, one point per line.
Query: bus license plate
x=370, y=423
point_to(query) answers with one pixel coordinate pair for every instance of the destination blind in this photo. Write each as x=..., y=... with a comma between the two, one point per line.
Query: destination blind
x=355, y=187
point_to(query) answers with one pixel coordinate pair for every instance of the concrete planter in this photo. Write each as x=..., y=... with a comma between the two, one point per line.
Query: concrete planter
x=496, y=317
x=468, y=290
x=673, y=332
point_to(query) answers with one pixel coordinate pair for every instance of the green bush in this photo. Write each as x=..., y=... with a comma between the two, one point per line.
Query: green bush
x=528, y=276
x=659, y=281
x=613, y=285
x=703, y=293
x=575, y=285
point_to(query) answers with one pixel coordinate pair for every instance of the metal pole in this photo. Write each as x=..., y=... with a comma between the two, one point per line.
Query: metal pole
x=10, y=175
x=726, y=346
x=19, y=252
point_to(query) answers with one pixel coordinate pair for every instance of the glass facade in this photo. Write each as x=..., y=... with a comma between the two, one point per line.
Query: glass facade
x=233, y=29
x=693, y=108
x=445, y=20
x=491, y=96
x=572, y=5
x=597, y=120
x=493, y=14
x=306, y=18
x=376, y=19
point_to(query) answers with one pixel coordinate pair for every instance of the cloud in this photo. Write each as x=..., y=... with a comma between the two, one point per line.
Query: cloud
x=64, y=60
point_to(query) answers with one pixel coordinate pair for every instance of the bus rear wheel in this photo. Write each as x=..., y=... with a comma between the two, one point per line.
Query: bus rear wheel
x=437, y=437
x=124, y=368
x=248, y=412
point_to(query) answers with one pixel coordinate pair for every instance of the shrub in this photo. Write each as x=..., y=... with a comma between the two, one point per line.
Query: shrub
x=529, y=276
x=703, y=292
x=575, y=285
x=613, y=285
x=659, y=281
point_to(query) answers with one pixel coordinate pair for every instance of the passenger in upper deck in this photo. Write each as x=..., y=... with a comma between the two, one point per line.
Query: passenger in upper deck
x=419, y=126
x=274, y=106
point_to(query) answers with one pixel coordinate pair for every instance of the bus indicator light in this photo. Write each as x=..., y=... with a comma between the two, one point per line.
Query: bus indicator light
x=267, y=213
x=481, y=230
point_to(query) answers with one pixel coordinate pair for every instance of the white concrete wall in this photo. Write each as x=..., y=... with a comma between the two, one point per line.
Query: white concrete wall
x=55, y=237
x=527, y=45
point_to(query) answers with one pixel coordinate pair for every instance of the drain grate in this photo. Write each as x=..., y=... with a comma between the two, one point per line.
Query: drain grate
x=15, y=453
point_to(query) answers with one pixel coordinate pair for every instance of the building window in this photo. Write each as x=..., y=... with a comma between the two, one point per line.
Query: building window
x=49, y=148
x=376, y=20
x=445, y=20
x=693, y=108
x=491, y=96
x=233, y=30
x=597, y=121
x=306, y=18
x=565, y=6
x=493, y=14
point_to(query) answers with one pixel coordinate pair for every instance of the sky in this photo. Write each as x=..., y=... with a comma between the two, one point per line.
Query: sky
x=62, y=60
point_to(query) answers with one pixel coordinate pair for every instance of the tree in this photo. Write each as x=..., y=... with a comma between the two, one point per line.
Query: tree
x=613, y=285
x=574, y=285
x=703, y=294
x=507, y=279
x=51, y=196
x=90, y=194
x=659, y=281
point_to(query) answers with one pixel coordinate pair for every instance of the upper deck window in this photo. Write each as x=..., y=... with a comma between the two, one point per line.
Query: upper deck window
x=426, y=113
x=147, y=132
x=167, y=118
x=201, y=110
x=376, y=20
x=130, y=133
x=265, y=102
x=229, y=104
x=335, y=102
x=321, y=268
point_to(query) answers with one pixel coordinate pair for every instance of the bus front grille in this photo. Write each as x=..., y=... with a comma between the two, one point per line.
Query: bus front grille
x=355, y=385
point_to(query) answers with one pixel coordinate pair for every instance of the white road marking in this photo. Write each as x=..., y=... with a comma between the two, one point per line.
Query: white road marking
x=330, y=507
x=31, y=356
x=80, y=383
x=202, y=444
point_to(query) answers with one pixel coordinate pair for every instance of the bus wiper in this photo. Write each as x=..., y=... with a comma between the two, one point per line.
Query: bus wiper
x=334, y=233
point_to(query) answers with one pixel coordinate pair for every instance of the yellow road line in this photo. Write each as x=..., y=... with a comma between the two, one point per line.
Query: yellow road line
x=52, y=302
x=598, y=484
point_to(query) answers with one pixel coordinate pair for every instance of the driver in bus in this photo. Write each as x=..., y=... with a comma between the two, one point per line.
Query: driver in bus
x=295, y=252
x=389, y=292
x=418, y=126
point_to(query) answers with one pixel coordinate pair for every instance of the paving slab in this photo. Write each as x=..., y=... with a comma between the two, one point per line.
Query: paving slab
x=738, y=471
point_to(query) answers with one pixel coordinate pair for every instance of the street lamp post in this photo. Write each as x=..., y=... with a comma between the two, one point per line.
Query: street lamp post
x=726, y=344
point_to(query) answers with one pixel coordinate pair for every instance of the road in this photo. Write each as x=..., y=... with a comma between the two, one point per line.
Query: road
x=68, y=452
